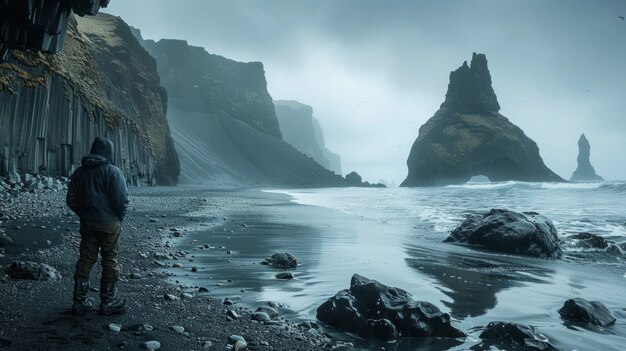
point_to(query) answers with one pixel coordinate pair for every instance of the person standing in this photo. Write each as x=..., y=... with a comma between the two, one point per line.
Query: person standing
x=97, y=193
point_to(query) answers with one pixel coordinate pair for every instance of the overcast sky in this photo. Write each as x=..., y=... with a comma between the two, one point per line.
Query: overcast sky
x=375, y=71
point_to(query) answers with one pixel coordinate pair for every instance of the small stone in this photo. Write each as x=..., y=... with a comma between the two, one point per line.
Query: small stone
x=147, y=327
x=170, y=297
x=232, y=314
x=260, y=317
x=203, y=289
x=143, y=255
x=228, y=302
x=194, y=269
x=234, y=338
x=151, y=345
x=161, y=256
x=207, y=345
x=136, y=276
x=284, y=276
x=5, y=240
x=186, y=296
x=177, y=329
x=114, y=327
x=240, y=346
x=228, y=252
x=178, y=234
x=177, y=265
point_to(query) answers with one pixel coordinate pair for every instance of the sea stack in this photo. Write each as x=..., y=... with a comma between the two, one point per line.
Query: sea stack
x=468, y=136
x=585, y=171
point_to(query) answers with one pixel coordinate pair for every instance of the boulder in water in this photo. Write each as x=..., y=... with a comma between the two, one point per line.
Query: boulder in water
x=376, y=311
x=590, y=312
x=526, y=233
x=283, y=260
x=590, y=241
x=512, y=336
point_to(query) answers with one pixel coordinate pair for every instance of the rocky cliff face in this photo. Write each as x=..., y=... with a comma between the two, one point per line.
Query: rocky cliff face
x=304, y=132
x=53, y=106
x=224, y=123
x=584, y=171
x=467, y=136
x=130, y=78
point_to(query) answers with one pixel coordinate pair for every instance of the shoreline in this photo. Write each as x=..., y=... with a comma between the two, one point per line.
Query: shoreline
x=35, y=314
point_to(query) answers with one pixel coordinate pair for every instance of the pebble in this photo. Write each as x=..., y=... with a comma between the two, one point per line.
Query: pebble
x=186, y=296
x=114, y=327
x=207, y=345
x=151, y=345
x=170, y=297
x=234, y=338
x=228, y=302
x=260, y=317
x=203, y=289
x=232, y=314
x=136, y=276
x=177, y=329
x=177, y=265
x=194, y=269
x=284, y=276
x=240, y=345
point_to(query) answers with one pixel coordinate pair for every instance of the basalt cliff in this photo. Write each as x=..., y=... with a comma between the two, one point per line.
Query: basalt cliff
x=103, y=83
x=224, y=123
x=584, y=171
x=468, y=136
x=302, y=130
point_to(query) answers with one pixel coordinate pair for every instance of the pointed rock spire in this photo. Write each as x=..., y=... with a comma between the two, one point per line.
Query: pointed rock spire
x=470, y=90
x=584, y=171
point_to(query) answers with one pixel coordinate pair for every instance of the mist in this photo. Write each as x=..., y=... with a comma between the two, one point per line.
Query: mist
x=374, y=72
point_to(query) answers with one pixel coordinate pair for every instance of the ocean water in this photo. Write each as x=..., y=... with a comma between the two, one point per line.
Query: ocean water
x=395, y=236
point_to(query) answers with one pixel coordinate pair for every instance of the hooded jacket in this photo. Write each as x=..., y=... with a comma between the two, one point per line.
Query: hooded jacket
x=97, y=191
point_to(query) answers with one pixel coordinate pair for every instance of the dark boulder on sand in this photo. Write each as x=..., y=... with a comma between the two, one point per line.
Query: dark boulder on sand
x=590, y=312
x=512, y=336
x=283, y=260
x=526, y=233
x=376, y=311
x=31, y=271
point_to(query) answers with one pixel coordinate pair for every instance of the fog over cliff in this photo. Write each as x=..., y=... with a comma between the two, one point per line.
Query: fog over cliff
x=375, y=71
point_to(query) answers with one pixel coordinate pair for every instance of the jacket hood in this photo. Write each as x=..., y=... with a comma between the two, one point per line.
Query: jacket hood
x=103, y=147
x=94, y=160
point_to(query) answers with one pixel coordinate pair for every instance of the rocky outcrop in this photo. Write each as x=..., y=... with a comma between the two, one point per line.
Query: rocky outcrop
x=467, y=136
x=584, y=171
x=53, y=106
x=588, y=312
x=376, y=311
x=224, y=123
x=526, y=233
x=302, y=130
x=39, y=25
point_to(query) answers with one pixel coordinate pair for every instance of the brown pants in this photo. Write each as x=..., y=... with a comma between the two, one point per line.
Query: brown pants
x=103, y=237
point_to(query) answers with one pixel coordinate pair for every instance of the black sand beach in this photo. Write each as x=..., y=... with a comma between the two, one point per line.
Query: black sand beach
x=35, y=315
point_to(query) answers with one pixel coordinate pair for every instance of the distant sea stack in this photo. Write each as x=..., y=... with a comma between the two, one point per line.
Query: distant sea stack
x=224, y=123
x=467, y=136
x=302, y=130
x=102, y=84
x=584, y=171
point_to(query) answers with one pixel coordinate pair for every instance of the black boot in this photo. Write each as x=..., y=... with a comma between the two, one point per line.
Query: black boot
x=82, y=304
x=110, y=303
